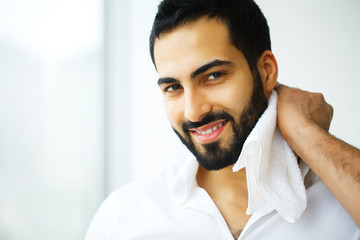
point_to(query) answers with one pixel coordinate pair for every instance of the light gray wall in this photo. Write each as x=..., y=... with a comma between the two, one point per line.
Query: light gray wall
x=317, y=47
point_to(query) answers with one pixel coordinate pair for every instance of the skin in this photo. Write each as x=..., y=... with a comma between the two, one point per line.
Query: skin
x=189, y=97
x=304, y=119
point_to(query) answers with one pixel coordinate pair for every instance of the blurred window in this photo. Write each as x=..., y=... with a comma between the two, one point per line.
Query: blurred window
x=51, y=117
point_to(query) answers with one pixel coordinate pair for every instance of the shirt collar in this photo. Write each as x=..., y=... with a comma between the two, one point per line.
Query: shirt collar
x=186, y=178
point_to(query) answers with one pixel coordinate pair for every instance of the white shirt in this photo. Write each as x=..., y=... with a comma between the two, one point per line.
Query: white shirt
x=170, y=205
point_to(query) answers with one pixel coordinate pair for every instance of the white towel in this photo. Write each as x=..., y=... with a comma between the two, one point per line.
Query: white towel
x=272, y=171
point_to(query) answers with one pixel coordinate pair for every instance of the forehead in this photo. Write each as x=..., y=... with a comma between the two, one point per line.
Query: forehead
x=191, y=45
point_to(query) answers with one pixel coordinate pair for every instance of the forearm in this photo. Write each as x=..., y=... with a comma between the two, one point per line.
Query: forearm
x=335, y=162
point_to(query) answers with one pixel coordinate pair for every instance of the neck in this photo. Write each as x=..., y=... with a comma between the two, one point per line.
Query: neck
x=223, y=183
x=228, y=190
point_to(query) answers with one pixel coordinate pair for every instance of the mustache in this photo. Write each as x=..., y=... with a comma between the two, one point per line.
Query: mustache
x=208, y=118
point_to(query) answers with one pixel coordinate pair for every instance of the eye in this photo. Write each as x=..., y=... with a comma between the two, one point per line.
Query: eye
x=215, y=75
x=172, y=88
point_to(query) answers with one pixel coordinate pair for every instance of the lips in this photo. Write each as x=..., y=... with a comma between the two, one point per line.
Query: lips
x=209, y=132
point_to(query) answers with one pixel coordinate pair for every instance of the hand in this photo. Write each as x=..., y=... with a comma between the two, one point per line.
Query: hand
x=304, y=119
x=298, y=109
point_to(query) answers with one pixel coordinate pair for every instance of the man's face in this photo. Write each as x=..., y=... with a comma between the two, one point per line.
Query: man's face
x=210, y=95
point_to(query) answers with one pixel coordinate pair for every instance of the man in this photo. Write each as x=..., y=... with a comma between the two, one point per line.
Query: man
x=217, y=74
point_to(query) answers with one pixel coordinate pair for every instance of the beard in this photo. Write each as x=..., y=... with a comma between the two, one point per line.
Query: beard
x=214, y=157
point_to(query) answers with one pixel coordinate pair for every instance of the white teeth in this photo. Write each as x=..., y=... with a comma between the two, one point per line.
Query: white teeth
x=210, y=130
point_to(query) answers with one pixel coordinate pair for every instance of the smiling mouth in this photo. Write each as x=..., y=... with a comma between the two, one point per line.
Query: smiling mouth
x=208, y=129
x=209, y=132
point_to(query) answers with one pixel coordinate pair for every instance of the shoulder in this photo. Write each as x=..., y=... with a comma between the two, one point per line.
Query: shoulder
x=158, y=185
x=161, y=182
x=324, y=218
x=320, y=197
x=326, y=213
x=136, y=200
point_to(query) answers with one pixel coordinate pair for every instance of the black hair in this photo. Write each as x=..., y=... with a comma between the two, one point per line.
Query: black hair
x=248, y=28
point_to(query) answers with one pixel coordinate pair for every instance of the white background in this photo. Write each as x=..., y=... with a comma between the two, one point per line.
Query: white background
x=51, y=117
x=81, y=114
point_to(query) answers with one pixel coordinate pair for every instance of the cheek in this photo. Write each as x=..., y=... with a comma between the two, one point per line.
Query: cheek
x=236, y=99
x=233, y=98
x=174, y=113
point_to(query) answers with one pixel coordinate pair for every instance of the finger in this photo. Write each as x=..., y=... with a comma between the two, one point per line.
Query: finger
x=331, y=110
x=279, y=87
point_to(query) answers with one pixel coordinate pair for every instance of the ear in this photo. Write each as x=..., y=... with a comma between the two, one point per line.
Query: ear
x=268, y=70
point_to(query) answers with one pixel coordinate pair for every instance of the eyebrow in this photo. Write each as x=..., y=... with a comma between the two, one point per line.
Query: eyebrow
x=198, y=71
x=210, y=65
x=167, y=80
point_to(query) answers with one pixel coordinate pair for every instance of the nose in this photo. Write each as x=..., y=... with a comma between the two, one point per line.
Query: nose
x=196, y=105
